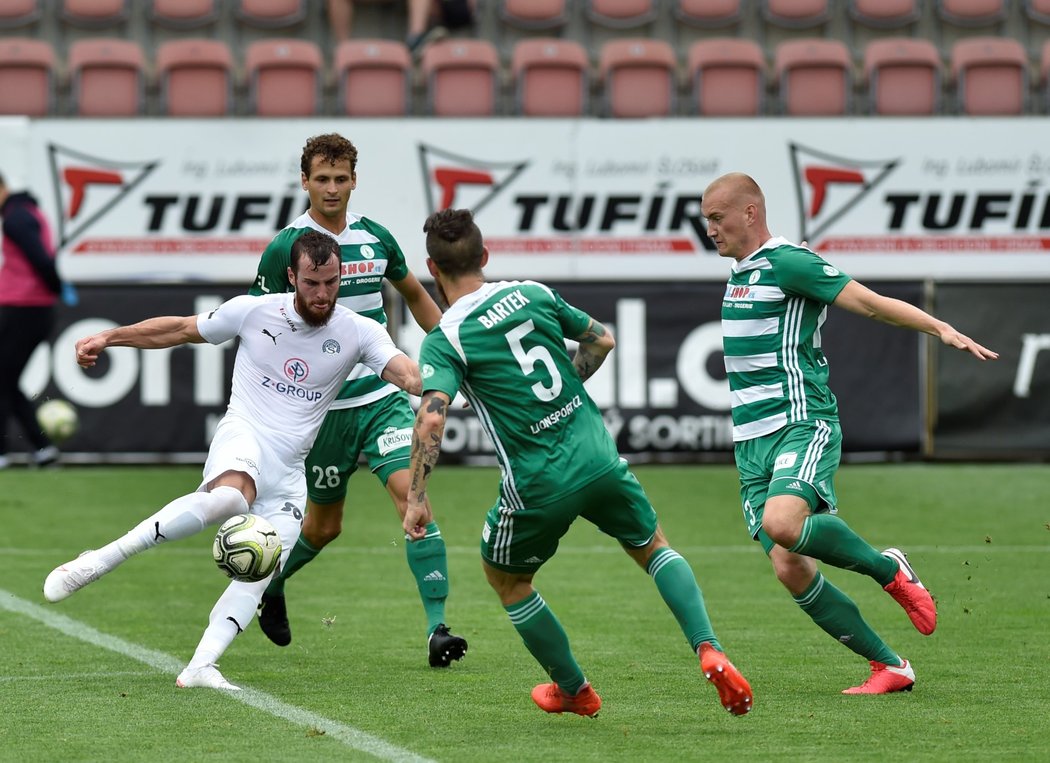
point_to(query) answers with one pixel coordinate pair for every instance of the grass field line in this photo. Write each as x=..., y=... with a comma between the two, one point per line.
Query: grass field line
x=75, y=676
x=59, y=555
x=165, y=663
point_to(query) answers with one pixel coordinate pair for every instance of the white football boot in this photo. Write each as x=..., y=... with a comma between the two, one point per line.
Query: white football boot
x=206, y=677
x=74, y=575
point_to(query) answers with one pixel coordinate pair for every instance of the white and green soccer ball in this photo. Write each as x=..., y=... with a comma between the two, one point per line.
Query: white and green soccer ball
x=58, y=419
x=247, y=548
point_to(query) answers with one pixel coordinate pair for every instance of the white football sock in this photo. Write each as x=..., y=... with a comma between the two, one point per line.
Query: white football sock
x=232, y=613
x=181, y=518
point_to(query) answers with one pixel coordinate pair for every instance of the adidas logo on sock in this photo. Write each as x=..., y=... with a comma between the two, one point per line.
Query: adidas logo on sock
x=796, y=485
x=435, y=575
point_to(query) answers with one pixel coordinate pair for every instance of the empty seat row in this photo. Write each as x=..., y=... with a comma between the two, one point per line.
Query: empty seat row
x=178, y=14
x=634, y=78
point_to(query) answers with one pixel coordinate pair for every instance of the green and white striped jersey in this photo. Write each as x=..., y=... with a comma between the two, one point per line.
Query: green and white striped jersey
x=503, y=346
x=775, y=303
x=370, y=254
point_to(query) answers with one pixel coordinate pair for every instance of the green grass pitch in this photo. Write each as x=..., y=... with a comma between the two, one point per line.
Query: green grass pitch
x=92, y=678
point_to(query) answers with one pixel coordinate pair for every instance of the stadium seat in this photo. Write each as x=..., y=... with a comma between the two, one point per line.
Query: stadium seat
x=27, y=76
x=972, y=13
x=271, y=14
x=284, y=77
x=94, y=14
x=709, y=14
x=1037, y=23
x=991, y=76
x=621, y=14
x=638, y=77
x=195, y=78
x=373, y=78
x=728, y=77
x=107, y=77
x=461, y=78
x=903, y=76
x=183, y=14
x=796, y=14
x=885, y=14
x=814, y=77
x=550, y=78
x=534, y=14
x=16, y=13
x=1044, y=75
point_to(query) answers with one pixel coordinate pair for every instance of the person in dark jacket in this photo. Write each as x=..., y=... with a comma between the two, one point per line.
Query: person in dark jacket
x=29, y=288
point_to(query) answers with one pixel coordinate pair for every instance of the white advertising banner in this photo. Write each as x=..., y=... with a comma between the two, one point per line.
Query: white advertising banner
x=197, y=200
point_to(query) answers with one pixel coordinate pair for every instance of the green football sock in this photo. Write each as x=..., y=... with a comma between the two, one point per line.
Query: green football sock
x=677, y=585
x=302, y=553
x=839, y=617
x=829, y=539
x=546, y=640
x=429, y=564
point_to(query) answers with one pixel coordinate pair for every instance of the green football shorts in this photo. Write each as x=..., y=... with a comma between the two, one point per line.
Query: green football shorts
x=801, y=459
x=381, y=431
x=522, y=540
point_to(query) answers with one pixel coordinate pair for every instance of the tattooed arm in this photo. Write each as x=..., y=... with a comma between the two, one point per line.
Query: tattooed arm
x=595, y=345
x=426, y=447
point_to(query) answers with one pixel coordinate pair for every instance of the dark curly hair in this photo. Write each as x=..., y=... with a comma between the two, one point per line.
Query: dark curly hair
x=332, y=147
x=314, y=246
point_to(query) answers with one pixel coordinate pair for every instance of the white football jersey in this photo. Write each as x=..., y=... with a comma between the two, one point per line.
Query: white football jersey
x=287, y=372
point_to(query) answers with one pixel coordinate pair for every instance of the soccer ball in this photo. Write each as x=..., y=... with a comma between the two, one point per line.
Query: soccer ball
x=247, y=548
x=58, y=419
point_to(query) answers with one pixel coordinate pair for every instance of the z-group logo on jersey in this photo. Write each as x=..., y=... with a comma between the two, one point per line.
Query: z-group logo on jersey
x=296, y=369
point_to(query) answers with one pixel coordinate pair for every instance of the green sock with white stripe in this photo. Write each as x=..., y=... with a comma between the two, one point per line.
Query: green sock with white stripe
x=839, y=617
x=829, y=539
x=429, y=564
x=677, y=585
x=546, y=640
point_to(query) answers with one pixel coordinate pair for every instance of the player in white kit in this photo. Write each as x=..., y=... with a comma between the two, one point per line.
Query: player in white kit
x=296, y=349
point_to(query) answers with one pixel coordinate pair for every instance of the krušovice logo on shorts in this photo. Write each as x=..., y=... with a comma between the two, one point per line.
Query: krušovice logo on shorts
x=330, y=347
x=392, y=439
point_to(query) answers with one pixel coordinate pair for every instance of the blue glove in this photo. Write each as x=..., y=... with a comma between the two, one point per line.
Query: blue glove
x=70, y=298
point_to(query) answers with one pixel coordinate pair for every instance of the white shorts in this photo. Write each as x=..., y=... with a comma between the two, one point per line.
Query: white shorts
x=280, y=487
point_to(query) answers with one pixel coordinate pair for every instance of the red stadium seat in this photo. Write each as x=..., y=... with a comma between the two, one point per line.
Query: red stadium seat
x=284, y=77
x=991, y=76
x=885, y=14
x=16, y=13
x=972, y=13
x=94, y=13
x=708, y=14
x=107, y=77
x=196, y=78
x=814, y=77
x=271, y=14
x=550, y=78
x=638, y=77
x=462, y=78
x=621, y=14
x=374, y=78
x=534, y=14
x=183, y=14
x=728, y=77
x=27, y=76
x=903, y=76
x=796, y=14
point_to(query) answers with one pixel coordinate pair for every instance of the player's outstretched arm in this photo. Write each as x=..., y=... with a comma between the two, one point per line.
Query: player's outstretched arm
x=595, y=345
x=859, y=299
x=426, y=449
x=152, y=334
x=422, y=306
x=404, y=372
